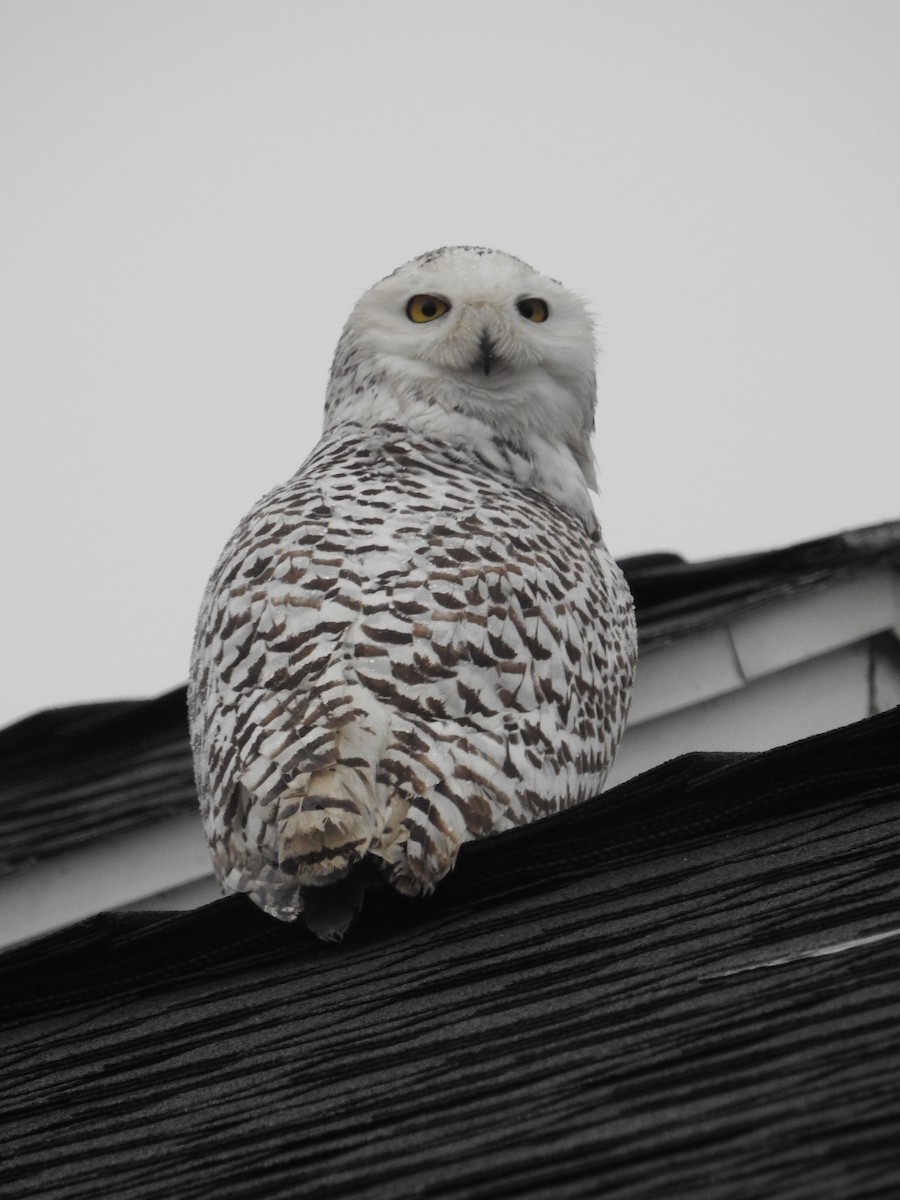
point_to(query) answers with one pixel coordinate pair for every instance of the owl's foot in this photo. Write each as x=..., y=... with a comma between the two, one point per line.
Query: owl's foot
x=328, y=911
x=266, y=887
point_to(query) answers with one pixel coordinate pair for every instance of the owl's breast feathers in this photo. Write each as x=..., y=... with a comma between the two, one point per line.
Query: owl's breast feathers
x=400, y=649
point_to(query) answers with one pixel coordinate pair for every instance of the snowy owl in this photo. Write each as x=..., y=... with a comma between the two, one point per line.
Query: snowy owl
x=420, y=638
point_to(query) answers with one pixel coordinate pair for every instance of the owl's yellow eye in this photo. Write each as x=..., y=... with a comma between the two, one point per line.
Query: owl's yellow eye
x=533, y=309
x=426, y=308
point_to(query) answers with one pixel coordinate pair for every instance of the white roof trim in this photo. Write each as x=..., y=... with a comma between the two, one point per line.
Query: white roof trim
x=824, y=693
x=780, y=634
x=106, y=874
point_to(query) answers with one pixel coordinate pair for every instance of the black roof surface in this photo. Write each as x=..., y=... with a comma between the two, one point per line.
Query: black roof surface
x=686, y=988
x=674, y=598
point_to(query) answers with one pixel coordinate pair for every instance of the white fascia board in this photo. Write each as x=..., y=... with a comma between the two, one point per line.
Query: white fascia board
x=780, y=634
x=105, y=875
x=884, y=681
x=805, y=699
x=797, y=628
x=683, y=673
x=179, y=899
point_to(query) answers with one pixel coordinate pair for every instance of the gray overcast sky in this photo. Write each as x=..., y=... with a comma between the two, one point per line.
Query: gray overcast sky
x=195, y=192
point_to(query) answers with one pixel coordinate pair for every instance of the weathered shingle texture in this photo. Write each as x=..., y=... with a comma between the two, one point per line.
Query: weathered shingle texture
x=685, y=989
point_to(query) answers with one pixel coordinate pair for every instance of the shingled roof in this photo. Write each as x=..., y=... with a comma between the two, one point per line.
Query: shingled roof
x=685, y=988
x=675, y=598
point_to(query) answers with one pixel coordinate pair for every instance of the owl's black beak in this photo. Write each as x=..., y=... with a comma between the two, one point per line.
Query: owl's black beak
x=487, y=355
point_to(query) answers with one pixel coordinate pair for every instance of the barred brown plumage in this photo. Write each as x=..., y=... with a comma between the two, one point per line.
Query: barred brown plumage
x=420, y=638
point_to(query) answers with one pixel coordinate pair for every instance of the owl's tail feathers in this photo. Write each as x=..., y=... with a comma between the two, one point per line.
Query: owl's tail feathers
x=326, y=824
x=328, y=911
x=423, y=848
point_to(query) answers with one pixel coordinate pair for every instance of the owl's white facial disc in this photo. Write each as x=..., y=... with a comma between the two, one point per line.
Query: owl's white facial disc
x=478, y=333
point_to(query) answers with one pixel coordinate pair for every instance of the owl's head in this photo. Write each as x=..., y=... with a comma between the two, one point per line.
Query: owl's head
x=474, y=332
